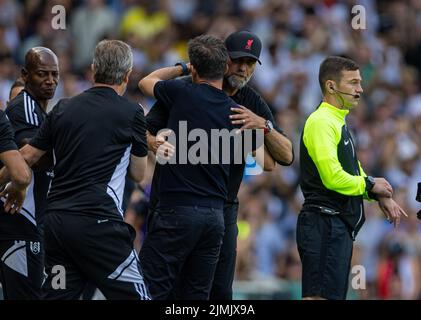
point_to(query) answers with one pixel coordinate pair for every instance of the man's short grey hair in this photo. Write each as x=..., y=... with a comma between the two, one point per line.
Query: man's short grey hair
x=112, y=60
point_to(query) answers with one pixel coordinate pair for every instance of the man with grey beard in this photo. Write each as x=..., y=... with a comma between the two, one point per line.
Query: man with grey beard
x=253, y=113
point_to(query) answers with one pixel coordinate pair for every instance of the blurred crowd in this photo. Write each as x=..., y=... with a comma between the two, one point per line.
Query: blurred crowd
x=297, y=36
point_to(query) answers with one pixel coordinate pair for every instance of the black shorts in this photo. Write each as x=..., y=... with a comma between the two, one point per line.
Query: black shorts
x=325, y=247
x=21, y=269
x=80, y=249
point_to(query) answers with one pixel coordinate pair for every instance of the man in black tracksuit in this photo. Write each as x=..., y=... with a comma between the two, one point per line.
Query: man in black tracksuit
x=22, y=278
x=256, y=115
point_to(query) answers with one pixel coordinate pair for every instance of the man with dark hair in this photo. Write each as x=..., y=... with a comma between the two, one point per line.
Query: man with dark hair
x=95, y=136
x=185, y=234
x=331, y=69
x=207, y=57
x=22, y=278
x=334, y=185
x=244, y=50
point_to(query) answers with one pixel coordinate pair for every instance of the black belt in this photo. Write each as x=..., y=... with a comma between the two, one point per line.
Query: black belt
x=323, y=209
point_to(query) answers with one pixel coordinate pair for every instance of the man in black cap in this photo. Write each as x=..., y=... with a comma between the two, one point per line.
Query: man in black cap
x=244, y=50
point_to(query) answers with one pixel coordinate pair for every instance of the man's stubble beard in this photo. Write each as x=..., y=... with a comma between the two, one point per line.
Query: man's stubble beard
x=236, y=83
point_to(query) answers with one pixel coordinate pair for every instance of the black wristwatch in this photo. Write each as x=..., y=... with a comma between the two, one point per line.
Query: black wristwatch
x=369, y=183
x=268, y=126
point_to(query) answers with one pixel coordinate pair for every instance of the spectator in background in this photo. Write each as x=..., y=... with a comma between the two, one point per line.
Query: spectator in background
x=90, y=23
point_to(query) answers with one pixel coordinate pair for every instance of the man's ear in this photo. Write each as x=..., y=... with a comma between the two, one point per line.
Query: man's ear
x=226, y=69
x=330, y=86
x=127, y=76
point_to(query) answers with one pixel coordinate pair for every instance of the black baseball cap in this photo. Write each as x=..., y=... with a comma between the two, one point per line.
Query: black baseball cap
x=243, y=44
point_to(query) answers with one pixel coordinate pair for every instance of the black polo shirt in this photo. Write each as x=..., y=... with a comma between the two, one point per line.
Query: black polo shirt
x=202, y=107
x=92, y=136
x=157, y=119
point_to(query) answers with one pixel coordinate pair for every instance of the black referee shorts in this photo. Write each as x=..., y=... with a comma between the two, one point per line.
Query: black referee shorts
x=80, y=249
x=325, y=248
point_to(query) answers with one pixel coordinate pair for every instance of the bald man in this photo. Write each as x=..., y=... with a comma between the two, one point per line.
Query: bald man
x=21, y=245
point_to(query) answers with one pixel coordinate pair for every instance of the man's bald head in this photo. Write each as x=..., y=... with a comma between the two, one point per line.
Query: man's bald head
x=39, y=55
x=40, y=74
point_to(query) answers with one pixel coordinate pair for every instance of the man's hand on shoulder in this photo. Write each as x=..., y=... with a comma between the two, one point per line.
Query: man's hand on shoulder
x=247, y=119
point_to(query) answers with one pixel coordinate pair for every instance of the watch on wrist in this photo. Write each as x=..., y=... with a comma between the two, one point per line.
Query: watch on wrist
x=369, y=183
x=268, y=126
